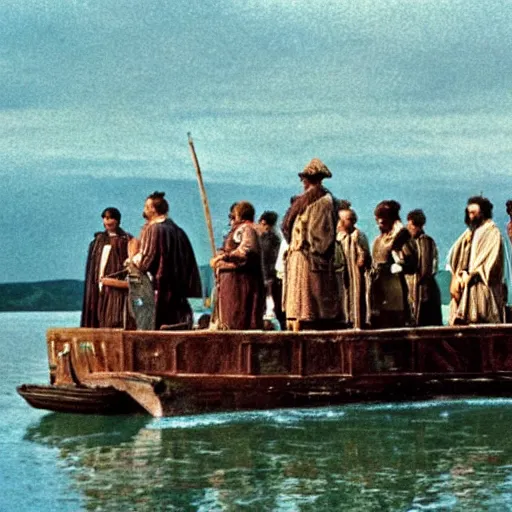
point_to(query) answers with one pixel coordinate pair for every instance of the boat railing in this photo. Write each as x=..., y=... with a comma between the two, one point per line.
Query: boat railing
x=482, y=349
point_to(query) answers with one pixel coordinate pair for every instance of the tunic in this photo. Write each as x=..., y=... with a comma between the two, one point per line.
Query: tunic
x=424, y=293
x=482, y=300
x=310, y=291
x=241, y=289
x=167, y=254
x=388, y=291
x=104, y=306
x=352, y=262
x=270, y=248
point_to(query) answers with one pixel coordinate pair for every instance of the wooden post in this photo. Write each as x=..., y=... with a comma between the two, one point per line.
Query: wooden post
x=204, y=198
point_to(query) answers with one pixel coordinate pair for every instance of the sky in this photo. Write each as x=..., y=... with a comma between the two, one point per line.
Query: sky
x=403, y=99
x=411, y=89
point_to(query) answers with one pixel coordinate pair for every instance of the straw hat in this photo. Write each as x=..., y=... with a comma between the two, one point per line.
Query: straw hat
x=315, y=168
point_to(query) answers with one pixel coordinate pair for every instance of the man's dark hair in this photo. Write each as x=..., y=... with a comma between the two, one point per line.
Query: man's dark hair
x=485, y=205
x=159, y=202
x=269, y=217
x=388, y=209
x=353, y=215
x=245, y=210
x=417, y=217
x=112, y=212
x=343, y=204
x=508, y=205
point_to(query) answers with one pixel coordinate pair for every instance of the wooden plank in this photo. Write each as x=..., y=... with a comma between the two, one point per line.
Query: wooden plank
x=139, y=386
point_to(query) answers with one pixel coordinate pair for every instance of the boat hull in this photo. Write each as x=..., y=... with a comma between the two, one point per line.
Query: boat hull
x=190, y=372
x=78, y=399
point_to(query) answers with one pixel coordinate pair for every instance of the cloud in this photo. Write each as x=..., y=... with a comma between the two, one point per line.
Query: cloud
x=112, y=88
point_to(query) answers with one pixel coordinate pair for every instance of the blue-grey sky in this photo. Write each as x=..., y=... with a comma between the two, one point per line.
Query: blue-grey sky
x=410, y=89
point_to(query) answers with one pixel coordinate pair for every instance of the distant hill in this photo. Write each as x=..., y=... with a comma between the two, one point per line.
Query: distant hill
x=66, y=295
x=64, y=213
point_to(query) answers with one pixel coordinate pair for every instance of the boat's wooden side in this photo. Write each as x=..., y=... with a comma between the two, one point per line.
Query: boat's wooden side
x=229, y=370
x=350, y=353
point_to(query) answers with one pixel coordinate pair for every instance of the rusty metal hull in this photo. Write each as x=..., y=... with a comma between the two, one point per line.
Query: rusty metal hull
x=192, y=372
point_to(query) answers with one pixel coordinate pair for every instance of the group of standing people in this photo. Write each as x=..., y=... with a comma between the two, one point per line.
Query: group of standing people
x=330, y=276
x=163, y=252
x=320, y=272
x=335, y=279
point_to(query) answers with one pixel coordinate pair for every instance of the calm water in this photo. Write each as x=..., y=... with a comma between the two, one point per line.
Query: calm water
x=451, y=455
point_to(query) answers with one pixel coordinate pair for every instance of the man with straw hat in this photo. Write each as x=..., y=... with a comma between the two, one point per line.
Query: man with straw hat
x=309, y=226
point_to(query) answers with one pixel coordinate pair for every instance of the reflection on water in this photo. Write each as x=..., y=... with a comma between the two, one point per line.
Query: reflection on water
x=453, y=455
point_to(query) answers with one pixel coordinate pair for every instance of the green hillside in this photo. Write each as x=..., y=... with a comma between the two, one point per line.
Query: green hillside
x=63, y=295
x=60, y=295
x=66, y=295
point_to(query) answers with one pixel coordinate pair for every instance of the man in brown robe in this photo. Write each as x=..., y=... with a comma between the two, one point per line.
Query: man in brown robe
x=166, y=253
x=424, y=293
x=105, y=306
x=477, y=264
x=238, y=268
x=394, y=254
x=352, y=261
x=309, y=226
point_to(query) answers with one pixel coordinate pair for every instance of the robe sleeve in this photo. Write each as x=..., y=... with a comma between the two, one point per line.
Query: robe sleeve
x=488, y=253
x=149, y=249
x=89, y=317
x=363, y=250
x=321, y=229
x=427, y=254
x=409, y=253
x=238, y=257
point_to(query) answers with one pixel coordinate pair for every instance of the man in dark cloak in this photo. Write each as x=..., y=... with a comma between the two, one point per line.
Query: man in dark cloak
x=167, y=254
x=394, y=254
x=105, y=306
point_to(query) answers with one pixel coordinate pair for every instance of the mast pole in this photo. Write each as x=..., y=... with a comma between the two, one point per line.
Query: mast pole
x=204, y=198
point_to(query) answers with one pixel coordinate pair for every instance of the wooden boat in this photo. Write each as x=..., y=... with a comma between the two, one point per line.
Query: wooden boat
x=190, y=372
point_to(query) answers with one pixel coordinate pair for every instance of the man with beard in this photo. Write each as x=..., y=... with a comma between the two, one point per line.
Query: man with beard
x=477, y=264
x=352, y=262
x=424, y=293
x=310, y=291
x=166, y=253
x=394, y=254
x=104, y=306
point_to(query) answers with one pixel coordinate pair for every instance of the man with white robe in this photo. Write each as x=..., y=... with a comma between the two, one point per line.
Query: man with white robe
x=477, y=264
x=352, y=262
